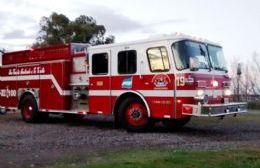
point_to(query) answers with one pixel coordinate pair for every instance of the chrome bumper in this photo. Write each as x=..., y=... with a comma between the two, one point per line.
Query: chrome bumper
x=214, y=110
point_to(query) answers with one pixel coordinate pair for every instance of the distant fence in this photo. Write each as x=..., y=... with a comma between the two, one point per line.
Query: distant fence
x=247, y=98
x=253, y=100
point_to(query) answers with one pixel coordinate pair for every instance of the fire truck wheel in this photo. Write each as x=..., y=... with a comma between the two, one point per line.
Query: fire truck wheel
x=29, y=109
x=3, y=111
x=176, y=123
x=133, y=115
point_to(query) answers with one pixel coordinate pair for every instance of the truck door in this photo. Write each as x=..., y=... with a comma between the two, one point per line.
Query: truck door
x=161, y=82
x=52, y=85
x=100, y=83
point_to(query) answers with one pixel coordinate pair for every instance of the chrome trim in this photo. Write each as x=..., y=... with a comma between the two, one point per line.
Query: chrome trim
x=61, y=111
x=197, y=110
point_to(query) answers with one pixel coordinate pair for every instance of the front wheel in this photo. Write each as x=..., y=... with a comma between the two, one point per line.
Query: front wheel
x=133, y=115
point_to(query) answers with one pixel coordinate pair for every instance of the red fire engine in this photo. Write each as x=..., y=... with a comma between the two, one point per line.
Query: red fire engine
x=168, y=78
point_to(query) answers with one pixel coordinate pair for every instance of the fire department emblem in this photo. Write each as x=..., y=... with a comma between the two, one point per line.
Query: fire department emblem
x=161, y=81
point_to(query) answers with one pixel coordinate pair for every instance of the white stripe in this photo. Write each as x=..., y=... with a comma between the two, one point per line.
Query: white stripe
x=38, y=77
x=30, y=63
x=10, y=108
x=99, y=92
x=66, y=93
x=148, y=93
x=192, y=93
x=186, y=93
x=155, y=93
x=7, y=78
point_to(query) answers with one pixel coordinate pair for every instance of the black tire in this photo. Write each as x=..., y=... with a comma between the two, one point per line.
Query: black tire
x=29, y=109
x=176, y=123
x=132, y=125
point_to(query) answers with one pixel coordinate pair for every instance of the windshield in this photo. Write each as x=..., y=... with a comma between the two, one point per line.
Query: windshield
x=217, y=58
x=184, y=50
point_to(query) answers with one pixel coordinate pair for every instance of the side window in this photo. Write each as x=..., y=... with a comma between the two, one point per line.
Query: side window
x=100, y=64
x=158, y=59
x=127, y=62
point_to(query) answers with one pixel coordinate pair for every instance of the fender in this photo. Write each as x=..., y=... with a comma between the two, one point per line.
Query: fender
x=32, y=91
x=119, y=95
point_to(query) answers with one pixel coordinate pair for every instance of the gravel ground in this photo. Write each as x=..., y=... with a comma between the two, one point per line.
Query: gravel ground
x=31, y=145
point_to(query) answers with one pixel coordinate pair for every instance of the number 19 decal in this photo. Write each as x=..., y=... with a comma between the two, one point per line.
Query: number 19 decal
x=180, y=80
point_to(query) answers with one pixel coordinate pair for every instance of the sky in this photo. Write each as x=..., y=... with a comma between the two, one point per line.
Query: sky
x=235, y=24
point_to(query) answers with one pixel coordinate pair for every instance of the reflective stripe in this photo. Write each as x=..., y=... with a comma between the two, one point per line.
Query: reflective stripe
x=38, y=77
x=99, y=92
x=148, y=93
x=156, y=93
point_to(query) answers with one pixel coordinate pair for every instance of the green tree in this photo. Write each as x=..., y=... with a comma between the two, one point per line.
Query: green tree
x=58, y=29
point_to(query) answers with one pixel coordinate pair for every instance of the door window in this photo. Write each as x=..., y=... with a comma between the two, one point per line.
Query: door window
x=158, y=59
x=127, y=62
x=100, y=64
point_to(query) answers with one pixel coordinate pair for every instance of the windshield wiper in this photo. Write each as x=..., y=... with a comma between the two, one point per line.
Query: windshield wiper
x=221, y=69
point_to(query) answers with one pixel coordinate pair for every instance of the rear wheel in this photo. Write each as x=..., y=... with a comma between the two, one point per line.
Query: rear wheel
x=176, y=123
x=133, y=115
x=3, y=111
x=29, y=109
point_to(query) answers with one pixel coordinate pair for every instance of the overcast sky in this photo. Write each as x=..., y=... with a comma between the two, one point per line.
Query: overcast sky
x=235, y=24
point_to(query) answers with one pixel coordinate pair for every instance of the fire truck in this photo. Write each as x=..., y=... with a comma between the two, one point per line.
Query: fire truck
x=168, y=78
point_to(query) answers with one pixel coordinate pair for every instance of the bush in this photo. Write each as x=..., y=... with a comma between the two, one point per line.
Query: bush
x=254, y=105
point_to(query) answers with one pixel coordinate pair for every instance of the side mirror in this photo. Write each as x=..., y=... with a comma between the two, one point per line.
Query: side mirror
x=1, y=57
x=239, y=71
x=194, y=63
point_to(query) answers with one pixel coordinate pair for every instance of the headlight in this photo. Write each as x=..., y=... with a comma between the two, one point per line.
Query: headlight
x=227, y=92
x=215, y=83
x=200, y=93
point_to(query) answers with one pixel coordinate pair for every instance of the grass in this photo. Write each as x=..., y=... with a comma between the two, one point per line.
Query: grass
x=243, y=158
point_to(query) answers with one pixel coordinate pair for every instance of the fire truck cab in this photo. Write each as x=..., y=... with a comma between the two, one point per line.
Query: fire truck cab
x=168, y=78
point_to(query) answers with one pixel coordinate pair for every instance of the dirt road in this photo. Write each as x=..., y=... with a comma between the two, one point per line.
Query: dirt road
x=31, y=145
